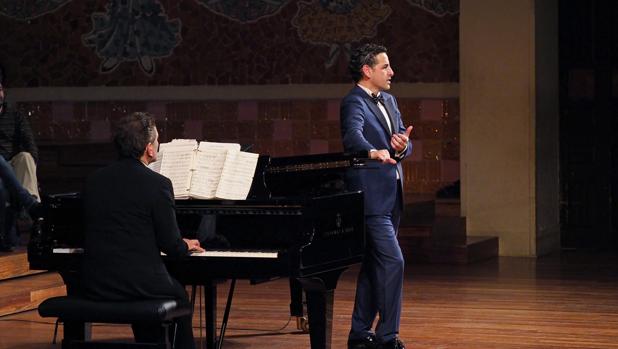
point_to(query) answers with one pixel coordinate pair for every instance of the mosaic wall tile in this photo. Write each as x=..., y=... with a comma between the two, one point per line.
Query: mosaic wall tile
x=318, y=147
x=100, y=131
x=332, y=109
x=79, y=111
x=410, y=110
x=36, y=111
x=450, y=129
x=451, y=109
x=417, y=150
x=287, y=47
x=301, y=130
x=449, y=171
x=450, y=150
x=334, y=130
x=211, y=131
x=432, y=149
x=262, y=124
x=319, y=129
x=170, y=129
x=429, y=130
x=335, y=146
x=431, y=109
x=247, y=110
x=62, y=111
x=218, y=110
x=265, y=130
x=247, y=130
x=193, y=129
x=282, y=130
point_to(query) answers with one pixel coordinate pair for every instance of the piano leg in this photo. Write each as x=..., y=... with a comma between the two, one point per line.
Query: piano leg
x=320, y=294
x=320, y=309
x=210, y=306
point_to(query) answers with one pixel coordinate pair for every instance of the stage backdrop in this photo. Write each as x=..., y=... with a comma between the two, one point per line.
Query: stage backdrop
x=167, y=57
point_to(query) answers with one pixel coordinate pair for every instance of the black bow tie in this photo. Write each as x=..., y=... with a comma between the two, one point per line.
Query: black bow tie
x=375, y=98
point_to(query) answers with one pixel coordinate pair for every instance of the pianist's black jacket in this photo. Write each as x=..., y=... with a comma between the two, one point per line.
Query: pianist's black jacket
x=129, y=217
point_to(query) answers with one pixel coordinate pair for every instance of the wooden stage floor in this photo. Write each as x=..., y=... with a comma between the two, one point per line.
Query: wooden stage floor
x=563, y=301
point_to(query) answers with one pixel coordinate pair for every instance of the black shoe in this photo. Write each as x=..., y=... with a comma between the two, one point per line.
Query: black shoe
x=368, y=342
x=393, y=344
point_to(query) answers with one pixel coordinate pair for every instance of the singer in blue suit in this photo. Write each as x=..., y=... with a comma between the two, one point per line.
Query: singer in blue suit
x=371, y=122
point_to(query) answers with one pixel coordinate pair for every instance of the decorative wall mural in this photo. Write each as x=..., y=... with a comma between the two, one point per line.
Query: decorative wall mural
x=24, y=10
x=244, y=11
x=338, y=23
x=132, y=31
x=437, y=7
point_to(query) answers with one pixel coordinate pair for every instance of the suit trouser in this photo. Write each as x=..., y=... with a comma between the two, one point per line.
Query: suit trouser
x=25, y=172
x=150, y=333
x=380, y=281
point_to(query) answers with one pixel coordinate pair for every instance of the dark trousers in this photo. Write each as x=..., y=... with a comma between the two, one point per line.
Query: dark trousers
x=11, y=191
x=380, y=281
x=151, y=333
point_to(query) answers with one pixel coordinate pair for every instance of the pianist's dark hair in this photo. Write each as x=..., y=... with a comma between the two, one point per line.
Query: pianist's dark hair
x=364, y=54
x=133, y=133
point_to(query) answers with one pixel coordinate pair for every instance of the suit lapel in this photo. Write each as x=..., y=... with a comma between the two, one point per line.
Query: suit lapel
x=391, y=115
x=375, y=110
x=378, y=114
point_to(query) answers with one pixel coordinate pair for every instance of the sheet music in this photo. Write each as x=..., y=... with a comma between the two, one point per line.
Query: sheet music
x=237, y=175
x=176, y=163
x=156, y=166
x=177, y=166
x=208, y=170
x=209, y=167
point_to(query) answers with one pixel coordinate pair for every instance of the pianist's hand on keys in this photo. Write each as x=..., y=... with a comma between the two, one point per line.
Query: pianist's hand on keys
x=193, y=245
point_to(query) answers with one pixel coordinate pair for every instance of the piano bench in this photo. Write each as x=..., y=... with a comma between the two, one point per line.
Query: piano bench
x=78, y=313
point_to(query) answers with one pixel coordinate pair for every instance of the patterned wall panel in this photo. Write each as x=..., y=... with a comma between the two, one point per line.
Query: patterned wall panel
x=196, y=42
x=276, y=127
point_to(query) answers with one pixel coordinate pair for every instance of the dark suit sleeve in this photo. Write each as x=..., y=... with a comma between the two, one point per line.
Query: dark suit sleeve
x=352, y=123
x=25, y=137
x=165, y=225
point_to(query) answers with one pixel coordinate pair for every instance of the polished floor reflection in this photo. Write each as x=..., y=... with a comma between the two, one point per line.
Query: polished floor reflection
x=568, y=300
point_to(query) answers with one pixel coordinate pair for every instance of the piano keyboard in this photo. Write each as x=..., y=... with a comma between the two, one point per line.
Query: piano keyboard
x=224, y=253
x=237, y=254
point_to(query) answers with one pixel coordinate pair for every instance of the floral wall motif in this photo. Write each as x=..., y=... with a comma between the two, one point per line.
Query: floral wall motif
x=244, y=11
x=438, y=7
x=132, y=31
x=28, y=9
x=337, y=24
x=197, y=42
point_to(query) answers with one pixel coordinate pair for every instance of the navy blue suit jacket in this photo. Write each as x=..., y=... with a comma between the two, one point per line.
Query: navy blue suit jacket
x=363, y=128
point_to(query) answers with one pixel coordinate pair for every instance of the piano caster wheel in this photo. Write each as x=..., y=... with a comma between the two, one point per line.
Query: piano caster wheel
x=302, y=324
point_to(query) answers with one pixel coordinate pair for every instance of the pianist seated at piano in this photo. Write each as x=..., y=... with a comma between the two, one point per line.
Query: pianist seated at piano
x=130, y=219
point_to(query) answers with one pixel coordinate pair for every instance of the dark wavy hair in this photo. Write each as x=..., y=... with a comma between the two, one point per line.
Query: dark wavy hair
x=364, y=54
x=1, y=75
x=132, y=134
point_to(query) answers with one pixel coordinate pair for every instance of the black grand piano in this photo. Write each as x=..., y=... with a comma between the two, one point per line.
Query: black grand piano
x=299, y=221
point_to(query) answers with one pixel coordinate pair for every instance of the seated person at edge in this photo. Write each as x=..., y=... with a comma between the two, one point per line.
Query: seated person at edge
x=130, y=218
x=18, y=181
